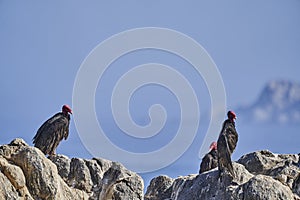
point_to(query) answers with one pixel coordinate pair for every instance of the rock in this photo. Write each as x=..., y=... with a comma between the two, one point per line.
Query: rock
x=203, y=186
x=80, y=176
x=265, y=187
x=296, y=185
x=260, y=175
x=27, y=174
x=118, y=182
x=159, y=188
x=7, y=190
x=260, y=162
x=63, y=164
x=42, y=178
x=16, y=177
x=286, y=174
x=100, y=178
x=282, y=167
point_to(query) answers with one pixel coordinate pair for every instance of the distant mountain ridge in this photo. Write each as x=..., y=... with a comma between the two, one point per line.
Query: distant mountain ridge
x=279, y=102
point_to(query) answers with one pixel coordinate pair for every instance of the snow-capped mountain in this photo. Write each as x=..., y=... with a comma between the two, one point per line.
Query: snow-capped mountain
x=279, y=102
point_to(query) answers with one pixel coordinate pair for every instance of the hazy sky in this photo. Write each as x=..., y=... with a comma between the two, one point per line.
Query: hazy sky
x=43, y=44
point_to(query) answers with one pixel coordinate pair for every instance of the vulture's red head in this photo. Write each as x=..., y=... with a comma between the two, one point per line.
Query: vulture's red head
x=66, y=109
x=213, y=146
x=231, y=115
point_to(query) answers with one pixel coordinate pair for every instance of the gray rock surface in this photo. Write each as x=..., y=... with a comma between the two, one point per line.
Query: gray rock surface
x=25, y=173
x=100, y=178
x=160, y=186
x=260, y=175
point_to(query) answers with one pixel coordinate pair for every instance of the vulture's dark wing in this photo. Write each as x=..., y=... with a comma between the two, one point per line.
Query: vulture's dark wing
x=224, y=154
x=206, y=163
x=209, y=161
x=232, y=138
x=51, y=133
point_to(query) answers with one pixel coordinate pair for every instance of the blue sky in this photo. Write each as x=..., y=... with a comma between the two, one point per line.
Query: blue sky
x=43, y=44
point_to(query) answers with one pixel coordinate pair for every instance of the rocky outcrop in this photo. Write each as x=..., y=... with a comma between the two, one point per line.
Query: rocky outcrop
x=260, y=175
x=25, y=173
x=100, y=178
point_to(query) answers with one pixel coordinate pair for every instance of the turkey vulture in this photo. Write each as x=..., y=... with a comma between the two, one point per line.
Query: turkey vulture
x=226, y=144
x=210, y=160
x=53, y=131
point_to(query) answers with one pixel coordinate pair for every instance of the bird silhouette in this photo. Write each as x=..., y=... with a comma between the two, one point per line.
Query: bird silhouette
x=53, y=131
x=210, y=160
x=226, y=143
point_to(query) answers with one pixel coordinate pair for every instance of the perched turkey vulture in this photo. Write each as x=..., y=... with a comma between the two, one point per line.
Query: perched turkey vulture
x=226, y=144
x=53, y=131
x=210, y=160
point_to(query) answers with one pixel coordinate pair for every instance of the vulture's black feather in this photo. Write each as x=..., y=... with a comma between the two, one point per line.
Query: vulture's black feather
x=227, y=142
x=52, y=132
